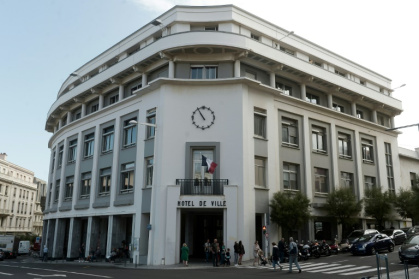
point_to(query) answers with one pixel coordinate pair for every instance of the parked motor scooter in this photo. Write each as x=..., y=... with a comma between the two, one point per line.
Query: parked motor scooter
x=305, y=251
x=325, y=249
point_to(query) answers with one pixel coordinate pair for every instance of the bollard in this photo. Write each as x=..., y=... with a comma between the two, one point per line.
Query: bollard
x=136, y=261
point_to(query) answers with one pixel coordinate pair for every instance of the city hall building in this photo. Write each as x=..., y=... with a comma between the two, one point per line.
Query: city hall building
x=273, y=110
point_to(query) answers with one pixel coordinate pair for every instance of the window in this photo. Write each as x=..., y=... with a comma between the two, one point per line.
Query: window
x=287, y=51
x=53, y=161
x=254, y=37
x=136, y=87
x=362, y=82
x=318, y=139
x=367, y=151
x=198, y=171
x=105, y=181
x=290, y=173
x=72, y=151
x=151, y=119
x=260, y=123
x=76, y=114
x=204, y=72
x=389, y=165
x=338, y=107
x=127, y=177
x=346, y=179
x=69, y=183
x=340, y=73
x=260, y=171
x=130, y=132
x=89, y=143
x=113, y=99
x=57, y=190
x=86, y=182
x=369, y=182
x=344, y=145
x=107, y=139
x=251, y=75
x=413, y=179
x=314, y=99
x=60, y=155
x=94, y=107
x=149, y=171
x=285, y=88
x=211, y=28
x=359, y=114
x=321, y=180
x=289, y=132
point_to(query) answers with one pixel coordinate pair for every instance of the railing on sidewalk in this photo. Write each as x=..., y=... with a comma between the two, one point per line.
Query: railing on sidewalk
x=194, y=187
x=381, y=258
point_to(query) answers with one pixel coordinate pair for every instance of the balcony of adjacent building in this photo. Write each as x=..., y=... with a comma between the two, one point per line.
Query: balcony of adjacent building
x=4, y=212
x=38, y=224
x=202, y=187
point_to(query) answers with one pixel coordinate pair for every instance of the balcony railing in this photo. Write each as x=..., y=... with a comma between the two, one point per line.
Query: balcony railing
x=4, y=212
x=208, y=187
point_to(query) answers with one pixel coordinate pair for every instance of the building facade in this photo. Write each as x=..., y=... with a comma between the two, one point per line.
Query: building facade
x=19, y=213
x=275, y=111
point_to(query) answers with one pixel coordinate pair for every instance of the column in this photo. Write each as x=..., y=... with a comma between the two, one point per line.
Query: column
x=60, y=123
x=101, y=99
x=303, y=91
x=272, y=79
x=171, y=69
x=374, y=116
x=69, y=114
x=121, y=92
x=329, y=101
x=392, y=124
x=83, y=110
x=353, y=108
x=109, y=240
x=89, y=243
x=237, y=68
x=144, y=79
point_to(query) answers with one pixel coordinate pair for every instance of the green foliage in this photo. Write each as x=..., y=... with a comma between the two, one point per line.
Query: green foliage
x=342, y=205
x=377, y=205
x=290, y=210
x=406, y=204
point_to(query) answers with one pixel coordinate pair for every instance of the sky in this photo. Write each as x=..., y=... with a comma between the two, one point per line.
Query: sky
x=43, y=41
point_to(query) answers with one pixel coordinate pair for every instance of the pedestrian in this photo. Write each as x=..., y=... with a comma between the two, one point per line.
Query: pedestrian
x=281, y=248
x=241, y=252
x=236, y=253
x=81, y=253
x=275, y=256
x=45, y=256
x=207, y=248
x=256, y=249
x=293, y=255
x=222, y=254
x=214, y=252
x=228, y=256
x=185, y=254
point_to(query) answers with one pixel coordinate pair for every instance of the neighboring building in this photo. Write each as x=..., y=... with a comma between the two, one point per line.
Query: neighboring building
x=409, y=166
x=41, y=191
x=18, y=194
x=275, y=111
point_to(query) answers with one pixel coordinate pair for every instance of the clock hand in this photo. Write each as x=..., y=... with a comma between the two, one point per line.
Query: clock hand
x=200, y=113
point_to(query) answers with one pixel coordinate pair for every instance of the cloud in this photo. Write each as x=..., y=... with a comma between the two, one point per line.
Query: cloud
x=164, y=5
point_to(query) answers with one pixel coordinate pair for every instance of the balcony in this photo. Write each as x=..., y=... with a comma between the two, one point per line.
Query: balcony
x=202, y=187
x=37, y=224
x=4, y=212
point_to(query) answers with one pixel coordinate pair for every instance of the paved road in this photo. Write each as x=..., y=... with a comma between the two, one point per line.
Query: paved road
x=337, y=266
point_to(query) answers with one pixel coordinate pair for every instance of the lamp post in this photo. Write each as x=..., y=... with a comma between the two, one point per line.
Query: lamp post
x=404, y=84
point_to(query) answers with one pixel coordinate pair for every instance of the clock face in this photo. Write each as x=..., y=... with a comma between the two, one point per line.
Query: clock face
x=203, y=117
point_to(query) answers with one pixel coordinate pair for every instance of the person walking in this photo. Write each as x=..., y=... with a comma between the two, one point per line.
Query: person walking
x=45, y=256
x=275, y=256
x=236, y=253
x=256, y=249
x=222, y=254
x=281, y=248
x=241, y=252
x=185, y=254
x=207, y=248
x=81, y=253
x=293, y=255
x=215, y=248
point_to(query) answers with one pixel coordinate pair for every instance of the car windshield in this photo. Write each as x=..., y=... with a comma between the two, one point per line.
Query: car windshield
x=413, y=240
x=356, y=234
x=366, y=237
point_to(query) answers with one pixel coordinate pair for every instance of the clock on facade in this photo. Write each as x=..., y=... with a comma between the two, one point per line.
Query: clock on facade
x=203, y=117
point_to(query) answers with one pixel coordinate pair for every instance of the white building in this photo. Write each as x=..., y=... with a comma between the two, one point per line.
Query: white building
x=275, y=111
x=19, y=213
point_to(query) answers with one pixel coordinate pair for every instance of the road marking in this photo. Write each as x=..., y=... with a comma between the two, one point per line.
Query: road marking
x=53, y=270
x=349, y=269
x=2, y=273
x=331, y=268
x=51, y=275
x=362, y=271
x=320, y=267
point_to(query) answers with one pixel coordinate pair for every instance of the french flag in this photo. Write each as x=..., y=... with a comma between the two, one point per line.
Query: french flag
x=209, y=164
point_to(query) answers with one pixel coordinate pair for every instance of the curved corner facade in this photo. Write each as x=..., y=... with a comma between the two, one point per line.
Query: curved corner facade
x=274, y=111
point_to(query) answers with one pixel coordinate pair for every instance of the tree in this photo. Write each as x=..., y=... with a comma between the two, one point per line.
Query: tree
x=377, y=205
x=342, y=205
x=290, y=210
x=404, y=203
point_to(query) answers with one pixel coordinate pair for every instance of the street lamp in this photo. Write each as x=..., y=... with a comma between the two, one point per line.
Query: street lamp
x=404, y=84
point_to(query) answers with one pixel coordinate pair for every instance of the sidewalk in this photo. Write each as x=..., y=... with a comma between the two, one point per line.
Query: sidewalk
x=413, y=274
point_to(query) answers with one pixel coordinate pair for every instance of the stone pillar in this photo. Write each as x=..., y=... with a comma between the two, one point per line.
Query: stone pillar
x=374, y=116
x=272, y=79
x=89, y=245
x=329, y=101
x=303, y=91
x=109, y=236
x=171, y=69
x=121, y=92
x=58, y=250
x=101, y=101
x=69, y=115
x=60, y=123
x=83, y=110
x=353, y=108
x=392, y=123
x=144, y=79
x=237, y=68
x=70, y=239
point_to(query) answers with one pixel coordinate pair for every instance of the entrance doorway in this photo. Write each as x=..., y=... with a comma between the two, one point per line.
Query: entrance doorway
x=197, y=227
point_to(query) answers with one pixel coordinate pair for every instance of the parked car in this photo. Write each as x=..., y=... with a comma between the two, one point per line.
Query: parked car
x=398, y=236
x=405, y=230
x=413, y=231
x=409, y=250
x=8, y=254
x=372, y=243
x=1, y=255
x=354, y=235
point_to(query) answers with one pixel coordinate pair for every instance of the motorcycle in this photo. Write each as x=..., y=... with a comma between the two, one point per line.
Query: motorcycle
x=305, y=251
x=334, y=247
x=315, y=249
x=325, y=249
